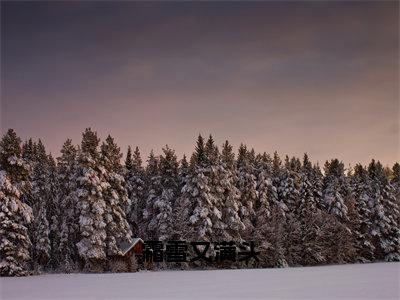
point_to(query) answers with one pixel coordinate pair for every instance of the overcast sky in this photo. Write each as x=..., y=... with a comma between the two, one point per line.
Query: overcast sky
x=316, y=77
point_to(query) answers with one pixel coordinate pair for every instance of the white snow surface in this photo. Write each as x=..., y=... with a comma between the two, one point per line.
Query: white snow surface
x=360, y=281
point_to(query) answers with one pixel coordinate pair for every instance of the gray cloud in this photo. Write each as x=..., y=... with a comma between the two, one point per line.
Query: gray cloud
x=316, y=77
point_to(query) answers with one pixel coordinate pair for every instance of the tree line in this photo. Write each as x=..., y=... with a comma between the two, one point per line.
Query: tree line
x=68, y=214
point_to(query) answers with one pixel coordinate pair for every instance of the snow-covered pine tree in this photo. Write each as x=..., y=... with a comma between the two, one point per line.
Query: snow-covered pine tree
x=289, y=189
x=262, y=207
x=198, y=192
x=361, y=223
x=385, y=212
x=135, y=179
x=316, y=179
x=14, y=238
x=228, y=157
x=231, y=196
x=183, y=171
x=337, y=198
x=115, y=197
x=28, y=151
x=162, y=221
x=247, y=186
x=128, y=160
x=252, y=157
x=182, y=206
x=41, y=199
x=307, y=190
x=54, y=212
x=273, y=248
x=335, y=189
x=289, y=194
x=90, y=189
x=309, y=217
x=41, y=241
x=153, y=191
x=277, y=174
x=28, y=155
x=11, y=161
x=265, y=190
x=217, y=183
x=15, y=216
x=66, y=169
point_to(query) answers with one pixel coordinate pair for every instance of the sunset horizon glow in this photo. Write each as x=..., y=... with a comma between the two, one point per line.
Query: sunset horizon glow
x=314, y=77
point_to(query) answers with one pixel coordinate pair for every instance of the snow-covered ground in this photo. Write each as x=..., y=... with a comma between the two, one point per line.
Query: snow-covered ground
x=367, y=281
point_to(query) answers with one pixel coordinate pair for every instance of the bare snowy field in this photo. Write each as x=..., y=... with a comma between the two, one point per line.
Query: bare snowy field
x=368, y=281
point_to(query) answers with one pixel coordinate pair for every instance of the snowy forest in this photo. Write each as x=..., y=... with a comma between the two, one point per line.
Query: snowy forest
x=67, y=214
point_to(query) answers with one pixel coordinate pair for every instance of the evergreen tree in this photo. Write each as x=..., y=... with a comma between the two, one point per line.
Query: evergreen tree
x=199, y=156
x=128, y=159
x=41, y=199
x=162, y=220
x=263, y=210
x=277, y=174
x=41, y=239
x=362, y=225
x=197, y=192
x=310, y=217
x=316, y=179
x=228, y=157
x=89, y=196
x=217, y=181
x=272, y=247
x=265, y=190
x=11, y=161
x=115, y=197
x=134, y=177
x=28, y=151
x=307, y=189
x=288, y=190
x=182, y=206
x=66, y=169
x=385, y=212
x=154, y=190
x=183, y=172
x=335, y=189
x=247, y=186
x=15, y=216
x=55, y=213
x=231, y=196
